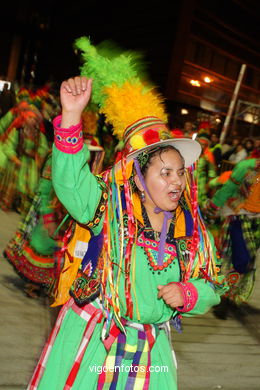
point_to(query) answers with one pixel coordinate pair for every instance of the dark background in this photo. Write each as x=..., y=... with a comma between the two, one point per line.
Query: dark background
x=47, y=30
x=180, y=40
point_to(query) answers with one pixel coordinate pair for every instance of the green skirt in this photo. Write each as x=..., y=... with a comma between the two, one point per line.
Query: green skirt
x=95, y=361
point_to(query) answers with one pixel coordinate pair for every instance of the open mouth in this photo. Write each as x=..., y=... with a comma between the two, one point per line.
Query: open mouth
x=175, y=195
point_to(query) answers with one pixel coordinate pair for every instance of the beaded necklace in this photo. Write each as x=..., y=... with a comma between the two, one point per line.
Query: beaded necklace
x=149, y=240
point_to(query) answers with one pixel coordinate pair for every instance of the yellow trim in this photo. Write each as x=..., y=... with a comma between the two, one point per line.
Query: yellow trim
x=119, y=175
x=70, y=269
x=137, y=207
x=180, y=226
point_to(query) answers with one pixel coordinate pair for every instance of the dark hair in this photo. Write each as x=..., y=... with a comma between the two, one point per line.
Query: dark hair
x=157, y=151
x=144, y=161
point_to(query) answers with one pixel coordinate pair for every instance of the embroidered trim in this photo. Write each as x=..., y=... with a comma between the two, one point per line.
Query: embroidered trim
x=102, y=204
x=183, y=245
x=85, y=289
x=168, y=259
x=150, y=235
x=149, y=243
x=68, y=140
x=190, y=296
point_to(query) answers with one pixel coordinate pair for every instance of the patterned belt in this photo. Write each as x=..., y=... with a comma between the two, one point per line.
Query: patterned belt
x=116, y=351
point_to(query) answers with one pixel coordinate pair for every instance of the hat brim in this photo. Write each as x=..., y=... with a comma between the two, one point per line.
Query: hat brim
x=188, y=148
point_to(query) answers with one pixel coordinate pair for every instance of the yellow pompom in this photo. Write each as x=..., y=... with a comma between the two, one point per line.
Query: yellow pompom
x=137, y=142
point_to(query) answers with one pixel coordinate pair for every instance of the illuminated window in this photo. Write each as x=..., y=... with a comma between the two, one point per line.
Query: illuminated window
x=195, y=83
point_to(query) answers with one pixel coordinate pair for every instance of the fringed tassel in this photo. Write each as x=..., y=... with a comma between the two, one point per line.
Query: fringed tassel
x=131, y=234
x=115, y=251
x=120, y=244
x=205, y=263
x=107, y=304
x=112, y=255
x=192, y=186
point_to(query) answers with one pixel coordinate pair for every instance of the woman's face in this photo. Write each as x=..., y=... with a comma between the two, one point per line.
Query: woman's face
x=165, y=180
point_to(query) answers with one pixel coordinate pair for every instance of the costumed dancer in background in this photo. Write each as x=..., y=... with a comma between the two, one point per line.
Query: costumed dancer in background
x=204, y=173
x=35, y=249
x=151, y=257
x=216, y=149
x=5, y=122
x=26, y=147
x=31, y=251
x=205, y=169
x=26, y=100
x=238, y=204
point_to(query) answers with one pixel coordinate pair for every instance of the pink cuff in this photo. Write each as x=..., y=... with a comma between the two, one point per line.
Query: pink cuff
x=68, y=140
x=48, y=218
x=215, y=207
x=190, y=296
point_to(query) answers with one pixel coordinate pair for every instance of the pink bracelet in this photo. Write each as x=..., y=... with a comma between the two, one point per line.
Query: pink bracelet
x=210, y=204
x=47, y=218
x=190, y=296
x=68, y=140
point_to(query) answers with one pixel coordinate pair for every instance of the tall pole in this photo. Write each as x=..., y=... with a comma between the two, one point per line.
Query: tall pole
x=232, y=104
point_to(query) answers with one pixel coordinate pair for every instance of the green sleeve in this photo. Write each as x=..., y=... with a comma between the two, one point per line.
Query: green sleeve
x=230, y=188
x=227, y=191
x=43, y=147
x=211, y=171
x=10, y=145
x=214, y=183
x=46, y=194
x=5, y=121
x=204, y=173
x=76, y=187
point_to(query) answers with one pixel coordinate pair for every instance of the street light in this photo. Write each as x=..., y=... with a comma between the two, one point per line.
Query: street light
x=207, y=79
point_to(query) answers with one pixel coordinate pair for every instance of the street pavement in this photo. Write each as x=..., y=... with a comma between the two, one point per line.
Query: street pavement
x=211, y=353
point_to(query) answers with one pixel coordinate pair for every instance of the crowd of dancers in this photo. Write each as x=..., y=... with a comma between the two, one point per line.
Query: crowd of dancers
x=26, y=186
x=126, y=225
x=228, y=194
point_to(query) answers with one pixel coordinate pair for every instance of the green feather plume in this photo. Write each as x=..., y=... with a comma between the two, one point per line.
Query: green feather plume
x=106, y=64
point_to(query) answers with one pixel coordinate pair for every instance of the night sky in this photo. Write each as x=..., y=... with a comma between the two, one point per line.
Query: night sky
x=49, y=28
